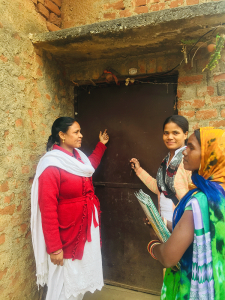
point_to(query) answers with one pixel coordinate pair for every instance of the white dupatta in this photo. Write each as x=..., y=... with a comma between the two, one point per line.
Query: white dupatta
x=68, y=163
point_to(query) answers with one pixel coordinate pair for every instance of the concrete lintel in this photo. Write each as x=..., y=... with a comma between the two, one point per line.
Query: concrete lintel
x=150, y=32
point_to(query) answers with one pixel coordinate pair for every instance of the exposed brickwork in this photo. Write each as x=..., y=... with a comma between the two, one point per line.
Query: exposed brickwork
x=77, y=13
x=51, y=13
x=27, y=97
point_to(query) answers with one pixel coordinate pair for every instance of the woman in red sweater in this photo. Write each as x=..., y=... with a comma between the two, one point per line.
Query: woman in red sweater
x=65, y=215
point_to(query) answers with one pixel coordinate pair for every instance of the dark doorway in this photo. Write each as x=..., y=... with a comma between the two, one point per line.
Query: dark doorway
x=134, y=116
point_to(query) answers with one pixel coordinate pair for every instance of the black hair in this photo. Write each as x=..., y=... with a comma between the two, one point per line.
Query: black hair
x=181, y=121
x=60, y=124
x=197, y=135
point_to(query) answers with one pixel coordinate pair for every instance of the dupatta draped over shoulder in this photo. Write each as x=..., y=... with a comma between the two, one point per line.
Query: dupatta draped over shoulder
x=202, y=273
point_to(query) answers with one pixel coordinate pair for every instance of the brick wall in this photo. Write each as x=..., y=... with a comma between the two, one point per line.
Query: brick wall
x=200, y=95
x=75, y=13
x=50, y=12
x=33, y=92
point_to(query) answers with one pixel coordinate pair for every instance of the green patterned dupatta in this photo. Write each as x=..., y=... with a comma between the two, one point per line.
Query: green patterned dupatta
x=205, y=279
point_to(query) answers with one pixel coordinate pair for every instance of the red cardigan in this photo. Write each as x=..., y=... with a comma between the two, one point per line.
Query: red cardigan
x=66, y=203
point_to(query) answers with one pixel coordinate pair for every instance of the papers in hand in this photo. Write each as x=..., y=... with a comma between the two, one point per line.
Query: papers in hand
x=153, y=216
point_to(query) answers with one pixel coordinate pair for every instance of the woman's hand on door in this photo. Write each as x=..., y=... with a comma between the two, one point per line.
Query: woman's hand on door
x=135, y=165
x=103, y=137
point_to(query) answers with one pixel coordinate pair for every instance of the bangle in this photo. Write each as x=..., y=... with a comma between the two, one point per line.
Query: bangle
x=150, y=243
x=57, y=252
x=150, y=247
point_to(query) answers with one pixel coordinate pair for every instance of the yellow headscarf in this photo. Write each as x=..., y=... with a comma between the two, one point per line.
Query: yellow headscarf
x=213, y=154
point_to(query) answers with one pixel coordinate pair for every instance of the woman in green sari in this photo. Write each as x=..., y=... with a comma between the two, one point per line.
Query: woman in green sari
x=198, y=238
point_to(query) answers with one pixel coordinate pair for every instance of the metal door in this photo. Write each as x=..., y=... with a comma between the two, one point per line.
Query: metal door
x=134, y=116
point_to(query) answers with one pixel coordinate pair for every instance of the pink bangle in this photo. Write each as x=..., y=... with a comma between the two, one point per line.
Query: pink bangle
x=59, y=251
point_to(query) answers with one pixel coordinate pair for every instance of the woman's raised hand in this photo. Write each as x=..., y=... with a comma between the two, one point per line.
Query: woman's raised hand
x=103, y=137
x=135, y=165
x=57, y=259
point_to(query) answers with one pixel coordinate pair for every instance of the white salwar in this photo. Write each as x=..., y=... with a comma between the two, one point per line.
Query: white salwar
x=75, y=278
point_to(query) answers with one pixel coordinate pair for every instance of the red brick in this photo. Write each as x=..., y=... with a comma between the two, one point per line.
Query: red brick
x=139, y=2
x=119, y=5
x=8, y=199
x=48, y=96
x=176, y=3
x=10, y=174
x=218, y=99
x=180, y=93
x=186, y=113
x=191, y=103
x=3, y=58
x=21, y=77
x=192, y=2
x=8, y=210
x=2, y=240
x=220, y=77
x=157, y=6
x=52, y=7
x=195, y=79
x=141, y=9
x=19, y=122
x=17, y=60
x=2, y=273
x=39, y=73
x=23, y=228
x=217, y=123
x=58, y=2
x=52, y=27
x=210, y=90
x=43, y=10
x=4, y=187
x=25, y=169
x=206, y=114
x=110, y=16
x=223, y=113
x=125, y=13
x=55, y=20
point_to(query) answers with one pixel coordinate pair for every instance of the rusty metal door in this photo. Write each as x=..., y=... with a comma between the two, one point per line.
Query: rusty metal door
x=134, y=116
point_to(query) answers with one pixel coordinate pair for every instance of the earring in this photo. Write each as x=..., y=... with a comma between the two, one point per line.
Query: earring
x=63, y=140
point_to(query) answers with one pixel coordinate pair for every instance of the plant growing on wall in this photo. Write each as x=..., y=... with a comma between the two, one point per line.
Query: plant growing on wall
x=216, y=55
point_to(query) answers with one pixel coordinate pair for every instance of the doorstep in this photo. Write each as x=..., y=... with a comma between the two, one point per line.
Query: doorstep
x=110, y=292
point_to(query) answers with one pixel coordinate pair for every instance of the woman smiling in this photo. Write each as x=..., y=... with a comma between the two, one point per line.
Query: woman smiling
x=172, y=181
x=198, y=239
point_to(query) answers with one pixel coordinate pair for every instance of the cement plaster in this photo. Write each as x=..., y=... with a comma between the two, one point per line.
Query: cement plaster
x=136, y=35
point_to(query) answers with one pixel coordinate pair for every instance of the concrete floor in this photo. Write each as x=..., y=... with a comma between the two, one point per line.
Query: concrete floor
x=116, y=293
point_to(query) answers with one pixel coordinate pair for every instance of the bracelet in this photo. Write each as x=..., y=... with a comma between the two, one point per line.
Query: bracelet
x=150, y=243
x=55, y=253
x=150, y=247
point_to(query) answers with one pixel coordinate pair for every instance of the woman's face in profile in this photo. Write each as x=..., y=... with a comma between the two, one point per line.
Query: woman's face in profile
x=73, y=136
x=173, y=136
x=192, y=154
